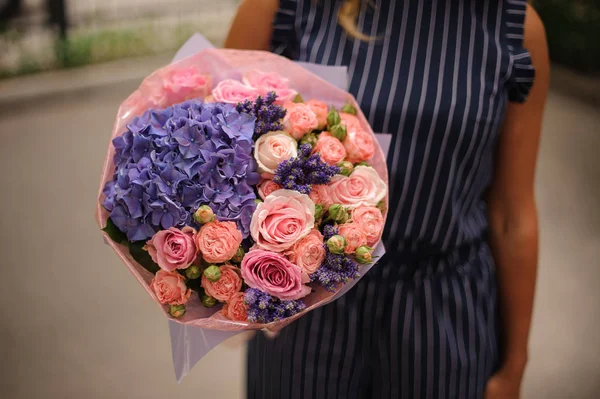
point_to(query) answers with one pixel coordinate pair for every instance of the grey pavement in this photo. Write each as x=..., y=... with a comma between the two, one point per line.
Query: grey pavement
x=77, y=325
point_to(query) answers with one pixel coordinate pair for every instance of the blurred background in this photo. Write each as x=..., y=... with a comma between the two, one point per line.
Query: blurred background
x=65, y=66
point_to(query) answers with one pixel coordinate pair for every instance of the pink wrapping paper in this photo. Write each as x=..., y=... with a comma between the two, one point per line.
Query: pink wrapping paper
x=222, y=64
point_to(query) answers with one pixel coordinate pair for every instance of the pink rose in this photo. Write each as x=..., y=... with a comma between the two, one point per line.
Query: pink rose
x=265, y=82
x=177, y=85
x=330, y=149
x=235, y=309
x=320, y=195
x=231, y=91
x=274, y=274
x=350, y=122
x=299, y=120
x=359, y=145
x=321, y=110
x=354, y=235
x=309, y=252
x=266, y=187
x=170, y=288
x=283, y=218
x=218, y=241
x=370, y=219
x=362, y=188
x=226, y=286
x=173, y=248
x=273, y=148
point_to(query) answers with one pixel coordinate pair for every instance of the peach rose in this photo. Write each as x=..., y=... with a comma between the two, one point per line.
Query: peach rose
x=359, y=145
x=320, y=195
x=169, y=288
x=363, y=187
x=330, y=149
x=354, y=235
x=265, y=82
x=236, y=309
x=226, y=286
x=283, y=218
x=177, y=85
x=231, y=91
x=299, y=119
x=321, y=110
x=370, y=219
x=309, y=252
x=350, y=122
x=272, y=273
x=266, y=187
x=273, y=148
x=173, y=248
x=218, y=241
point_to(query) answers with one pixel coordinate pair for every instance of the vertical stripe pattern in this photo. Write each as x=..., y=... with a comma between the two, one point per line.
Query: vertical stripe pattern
x=423, y=322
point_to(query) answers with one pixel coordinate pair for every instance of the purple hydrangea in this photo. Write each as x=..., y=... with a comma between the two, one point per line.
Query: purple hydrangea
x=263, y=308
x=268, y=115
x=301, y=172
x=169, y=162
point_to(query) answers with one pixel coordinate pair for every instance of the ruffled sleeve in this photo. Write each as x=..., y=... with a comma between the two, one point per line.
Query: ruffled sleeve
x=283, y=41
x=521, y=71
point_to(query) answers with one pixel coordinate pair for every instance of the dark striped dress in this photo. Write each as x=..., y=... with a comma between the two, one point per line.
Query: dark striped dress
x=423, y=322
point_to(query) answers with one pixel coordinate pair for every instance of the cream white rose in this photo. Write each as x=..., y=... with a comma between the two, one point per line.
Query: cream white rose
x=273, y=148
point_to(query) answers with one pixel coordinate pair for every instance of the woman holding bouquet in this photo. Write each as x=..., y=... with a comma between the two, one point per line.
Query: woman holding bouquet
x=446, y=313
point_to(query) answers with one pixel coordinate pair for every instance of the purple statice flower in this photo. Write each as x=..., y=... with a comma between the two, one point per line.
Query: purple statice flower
x=301, y=172
x=329, y=231
x=335, y=268
x=268, y=115
x=264, y=308
x=169, y=162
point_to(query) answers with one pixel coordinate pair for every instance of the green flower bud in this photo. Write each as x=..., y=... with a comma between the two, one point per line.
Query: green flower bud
x=193, y=272
x=298, y=99
x=310, y=138
x=208, y=301
x=318, y=211
x=338, y=131
x=338, y=213
x=333, y=118
x=349, y=109
x=257, y=201
x=336, y=244
x=362, y=163
x=212, y=273
x=239, y=255
x=177, y=310
x=204, y=214
x=381, y=205
x=363, y=255
x=345, y=168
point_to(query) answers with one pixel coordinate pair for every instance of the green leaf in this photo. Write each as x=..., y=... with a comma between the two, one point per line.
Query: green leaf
x=142, y=256
x=298, y=98
x=113, y=232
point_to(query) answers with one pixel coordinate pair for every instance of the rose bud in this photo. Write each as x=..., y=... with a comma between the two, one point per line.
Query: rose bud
x=257, y=201
x=345, y=168
x=382, y=206
x=336, y=244
x=349, y=109
x=338, y=213
x=177, y=310
x=193, y=272
x=310, y=138
x=318, y=211
x=338, y=131
x=208, y=301
x=204, y=215
x=212, y=273
x=362, y=163
x=363, y=255
x=239, y=255
x=333, y=118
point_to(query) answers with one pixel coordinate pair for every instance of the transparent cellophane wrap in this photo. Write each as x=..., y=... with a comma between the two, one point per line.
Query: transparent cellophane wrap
x=222, y=64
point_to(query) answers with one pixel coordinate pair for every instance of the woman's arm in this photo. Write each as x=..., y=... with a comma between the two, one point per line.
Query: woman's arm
x=513, y=215
x=252, y=26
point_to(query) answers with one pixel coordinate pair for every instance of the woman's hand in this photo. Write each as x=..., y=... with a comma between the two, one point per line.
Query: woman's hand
x=505, y=384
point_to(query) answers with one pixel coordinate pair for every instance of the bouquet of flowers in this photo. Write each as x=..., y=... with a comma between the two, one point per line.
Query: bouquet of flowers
x=236, y=203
